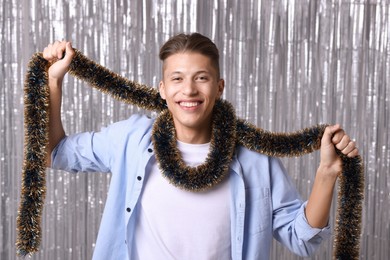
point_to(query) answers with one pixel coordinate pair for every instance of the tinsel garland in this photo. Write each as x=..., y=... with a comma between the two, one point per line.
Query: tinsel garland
x=216, y=165
x=351, y=181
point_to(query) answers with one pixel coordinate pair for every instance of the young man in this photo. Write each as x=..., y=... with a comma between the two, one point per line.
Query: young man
x=147, y=217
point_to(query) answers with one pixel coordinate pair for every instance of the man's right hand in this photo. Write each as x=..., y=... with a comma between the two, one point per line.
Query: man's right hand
x=54, y=53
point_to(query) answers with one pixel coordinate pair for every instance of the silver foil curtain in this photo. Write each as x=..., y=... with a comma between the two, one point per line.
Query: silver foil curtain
x=287, y=65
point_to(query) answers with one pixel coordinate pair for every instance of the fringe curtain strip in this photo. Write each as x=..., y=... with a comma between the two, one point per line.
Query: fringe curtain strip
x=351, y=192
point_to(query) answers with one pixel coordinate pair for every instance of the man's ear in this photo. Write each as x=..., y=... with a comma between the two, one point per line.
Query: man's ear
x=221, y=87
x=161, y=89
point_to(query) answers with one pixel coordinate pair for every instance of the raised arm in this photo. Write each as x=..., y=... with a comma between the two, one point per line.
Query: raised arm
x=59, y=67
x=320, y=200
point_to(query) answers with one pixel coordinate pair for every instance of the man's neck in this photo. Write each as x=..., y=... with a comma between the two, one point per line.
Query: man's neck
x=194, y=136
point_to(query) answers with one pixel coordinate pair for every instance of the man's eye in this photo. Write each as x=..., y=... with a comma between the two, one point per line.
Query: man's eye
x=176, y=79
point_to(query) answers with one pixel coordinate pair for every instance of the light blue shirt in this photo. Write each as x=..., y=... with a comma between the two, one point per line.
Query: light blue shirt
x=264, y=202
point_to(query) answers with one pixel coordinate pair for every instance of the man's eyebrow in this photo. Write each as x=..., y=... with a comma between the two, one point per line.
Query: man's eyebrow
x=175, y=72
x=203, y=71
x=196, y=73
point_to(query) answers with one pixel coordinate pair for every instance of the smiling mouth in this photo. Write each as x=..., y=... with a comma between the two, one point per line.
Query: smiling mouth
x=189, y=104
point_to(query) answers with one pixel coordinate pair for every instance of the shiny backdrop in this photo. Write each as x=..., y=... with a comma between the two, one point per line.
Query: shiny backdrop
x=287, y=65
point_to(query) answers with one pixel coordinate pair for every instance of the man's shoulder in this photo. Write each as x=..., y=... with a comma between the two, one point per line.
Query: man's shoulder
x=136, y=126
x=135, y=121
x=249, y=159
x=243, y=152
x=258, y=168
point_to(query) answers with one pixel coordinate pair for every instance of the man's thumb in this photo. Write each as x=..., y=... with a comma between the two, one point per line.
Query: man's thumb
x=69, y=53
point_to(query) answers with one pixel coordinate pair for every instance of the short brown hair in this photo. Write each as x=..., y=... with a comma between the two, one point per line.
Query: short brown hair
x=194, y=42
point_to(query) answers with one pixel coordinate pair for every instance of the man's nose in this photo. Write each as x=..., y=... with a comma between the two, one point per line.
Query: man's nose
x=189, y=88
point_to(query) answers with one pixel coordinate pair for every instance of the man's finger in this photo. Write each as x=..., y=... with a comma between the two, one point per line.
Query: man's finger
x=69, y=52
x=343, y=143
x=329, y=133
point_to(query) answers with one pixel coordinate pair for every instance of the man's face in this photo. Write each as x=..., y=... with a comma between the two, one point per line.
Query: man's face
x=190, y=87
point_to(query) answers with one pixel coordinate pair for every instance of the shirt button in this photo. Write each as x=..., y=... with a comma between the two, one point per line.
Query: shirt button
x=150, y=150
x=139, y=178
x=128, y=209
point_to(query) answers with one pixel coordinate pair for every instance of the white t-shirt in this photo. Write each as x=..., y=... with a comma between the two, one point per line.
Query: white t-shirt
x=179, y=224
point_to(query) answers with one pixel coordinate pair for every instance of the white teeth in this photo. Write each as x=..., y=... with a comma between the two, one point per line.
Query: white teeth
x=189, y=104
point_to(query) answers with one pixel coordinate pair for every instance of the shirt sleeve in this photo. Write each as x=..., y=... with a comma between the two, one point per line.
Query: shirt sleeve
x=305, y=232
x=96, y=151
x=290, y=226
x=82, y=152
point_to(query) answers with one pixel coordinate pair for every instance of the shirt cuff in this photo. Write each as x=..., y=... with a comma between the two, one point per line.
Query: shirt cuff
x=59, y=161
x=54, y=152
x=305, y=232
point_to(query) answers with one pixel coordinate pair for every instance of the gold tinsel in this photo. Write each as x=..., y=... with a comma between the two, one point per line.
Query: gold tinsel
x=351, y=184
